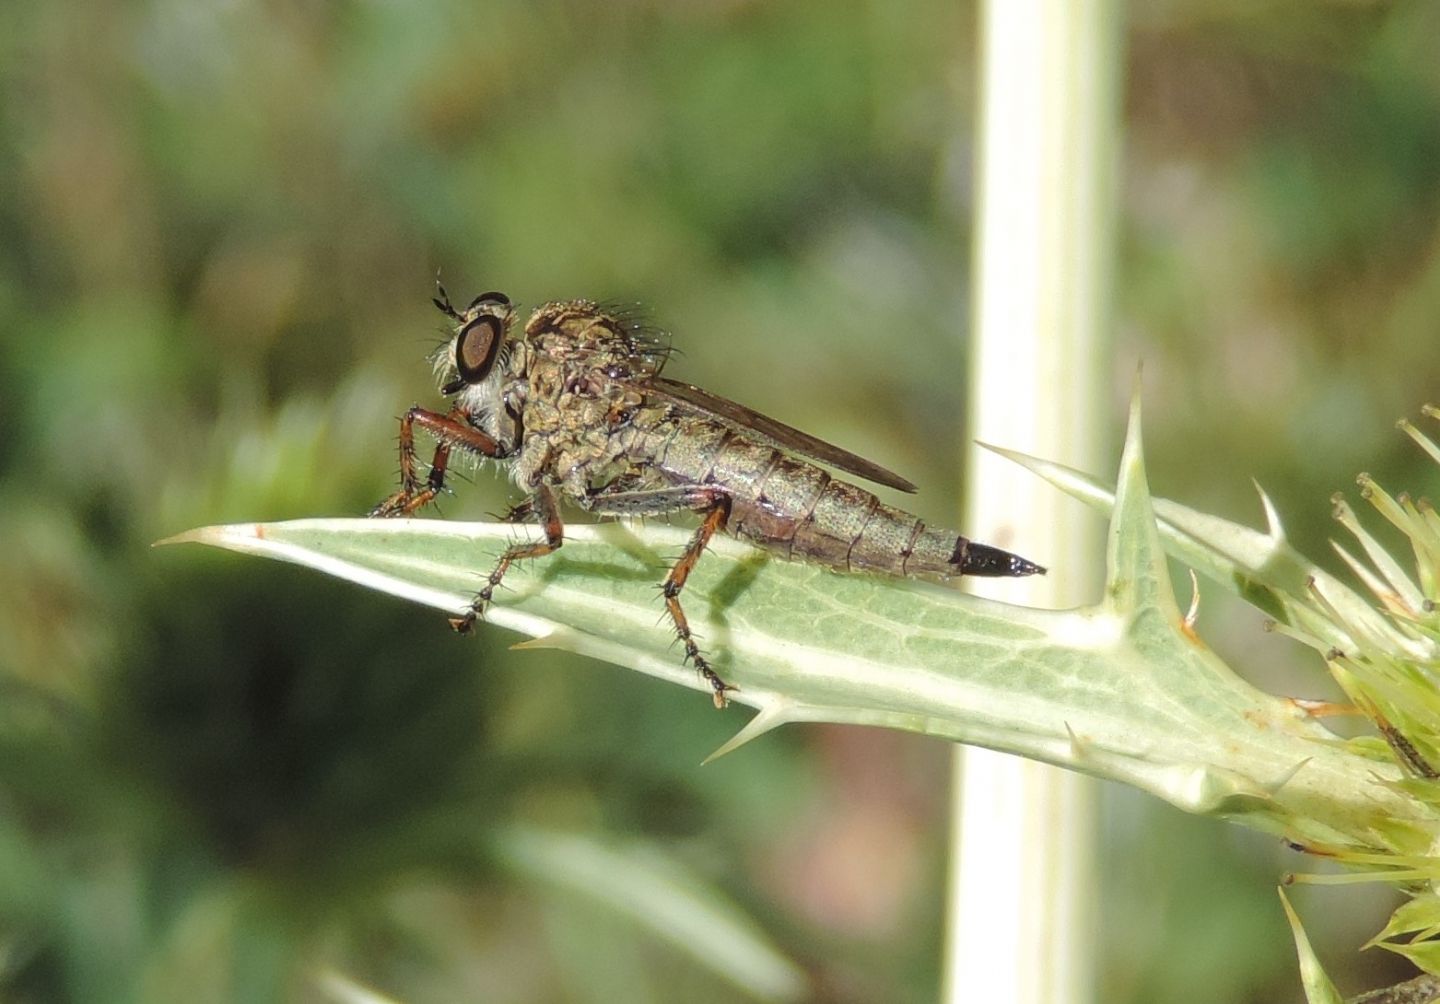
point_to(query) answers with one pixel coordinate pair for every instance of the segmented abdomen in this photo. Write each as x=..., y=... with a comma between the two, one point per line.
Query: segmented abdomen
x=798, y=510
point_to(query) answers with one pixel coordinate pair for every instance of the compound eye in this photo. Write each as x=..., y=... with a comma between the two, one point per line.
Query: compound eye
x=491, y=299
x=476, y=348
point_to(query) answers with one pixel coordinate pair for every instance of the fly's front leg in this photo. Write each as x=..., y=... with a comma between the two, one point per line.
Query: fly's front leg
x=714, y=505
x=452, y=431
x=543, y=501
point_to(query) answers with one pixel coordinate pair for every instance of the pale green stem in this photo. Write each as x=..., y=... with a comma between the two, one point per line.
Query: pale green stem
x=1022, y=882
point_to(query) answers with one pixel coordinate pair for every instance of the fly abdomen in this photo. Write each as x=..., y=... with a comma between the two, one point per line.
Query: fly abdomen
x=779, y=503
x=946, y=553
x=851, y=529
x=742, y=466
x=836, y=524
x=689, y=451
x=798, y=510
x=887, y=542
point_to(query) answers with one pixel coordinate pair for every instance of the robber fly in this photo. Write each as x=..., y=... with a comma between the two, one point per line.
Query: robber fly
x=577, y=408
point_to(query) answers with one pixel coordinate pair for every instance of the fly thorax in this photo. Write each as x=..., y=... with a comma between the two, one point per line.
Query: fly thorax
x=546, y=380
x=541, y=418
x=584, y=413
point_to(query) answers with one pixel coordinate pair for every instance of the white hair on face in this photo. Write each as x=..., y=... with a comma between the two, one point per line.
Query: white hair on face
x=442, y=361
x=481, y=401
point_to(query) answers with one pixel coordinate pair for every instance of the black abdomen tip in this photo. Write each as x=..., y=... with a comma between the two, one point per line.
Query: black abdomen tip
x=982, y=559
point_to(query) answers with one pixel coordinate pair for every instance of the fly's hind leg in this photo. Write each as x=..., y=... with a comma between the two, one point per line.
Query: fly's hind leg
x=714, y=506
x=715, y=519
x=543, y=501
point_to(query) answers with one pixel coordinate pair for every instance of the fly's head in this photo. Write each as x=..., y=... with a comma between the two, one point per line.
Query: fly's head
x=471, y=364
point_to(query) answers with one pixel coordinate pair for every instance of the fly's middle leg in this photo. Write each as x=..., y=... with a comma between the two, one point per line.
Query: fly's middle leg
x=714, y=505
x=543, y=502
x=451, y=431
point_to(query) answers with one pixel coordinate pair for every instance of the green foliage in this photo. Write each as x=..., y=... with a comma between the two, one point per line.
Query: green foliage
x=1124, y=690
x=218, y=228
x=1318, y=988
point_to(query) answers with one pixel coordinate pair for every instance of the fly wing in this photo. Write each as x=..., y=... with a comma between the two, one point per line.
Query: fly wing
x=778, y=434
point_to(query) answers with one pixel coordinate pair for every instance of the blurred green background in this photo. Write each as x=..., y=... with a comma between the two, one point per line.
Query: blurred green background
x=226, y=780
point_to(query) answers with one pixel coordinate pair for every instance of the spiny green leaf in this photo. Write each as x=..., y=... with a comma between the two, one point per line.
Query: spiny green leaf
x=1425, y=954
x=1123, y=689
x=1318, y=988
x=1260, y=567
x=1419, y=916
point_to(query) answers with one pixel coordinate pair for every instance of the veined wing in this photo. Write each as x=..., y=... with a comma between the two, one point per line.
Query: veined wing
x=778, y=434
